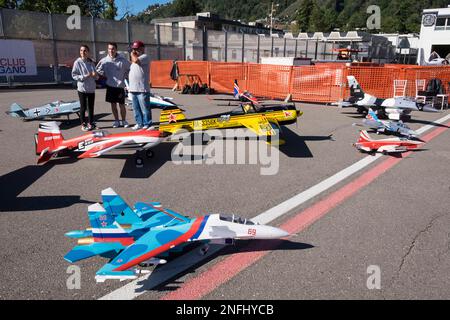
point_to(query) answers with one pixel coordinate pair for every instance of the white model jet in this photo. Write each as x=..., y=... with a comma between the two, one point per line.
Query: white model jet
x=393, y=108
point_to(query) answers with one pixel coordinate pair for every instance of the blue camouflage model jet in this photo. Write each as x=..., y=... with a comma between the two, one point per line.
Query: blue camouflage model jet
x=49, y=110
x=386, y=126
x=144, y=235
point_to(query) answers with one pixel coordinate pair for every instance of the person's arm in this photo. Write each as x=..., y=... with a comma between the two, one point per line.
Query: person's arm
x=94, y=73
x=101, y=68
x=126, y=66
x=77, y=73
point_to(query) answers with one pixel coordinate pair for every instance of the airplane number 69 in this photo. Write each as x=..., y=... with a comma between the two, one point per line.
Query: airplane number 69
x=252, y=232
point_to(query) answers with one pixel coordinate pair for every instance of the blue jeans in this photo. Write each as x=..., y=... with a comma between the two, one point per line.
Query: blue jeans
x=142, y=112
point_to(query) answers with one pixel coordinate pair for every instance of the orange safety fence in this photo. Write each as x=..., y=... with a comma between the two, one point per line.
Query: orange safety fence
x=196, y=68
x=324, y=83
x=160, y=74
x=377, y=81
x=319, y=83
x=223, y=74
x=269, y=81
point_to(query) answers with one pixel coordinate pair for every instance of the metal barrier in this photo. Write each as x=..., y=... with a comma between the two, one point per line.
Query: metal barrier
x=57, y=46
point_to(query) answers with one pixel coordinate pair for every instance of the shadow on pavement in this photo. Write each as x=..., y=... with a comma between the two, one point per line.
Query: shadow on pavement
x=240, y=247
x=15, y=182
x=296, y=147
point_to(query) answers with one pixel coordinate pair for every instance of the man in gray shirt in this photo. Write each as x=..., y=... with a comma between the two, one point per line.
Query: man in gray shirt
x=115, y=68
x=139, y=87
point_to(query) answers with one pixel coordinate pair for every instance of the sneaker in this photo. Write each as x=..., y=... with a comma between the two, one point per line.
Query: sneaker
x=92, y=127
x=137, y=127
x=116, y=124
x=125, y=124
x=84, y=127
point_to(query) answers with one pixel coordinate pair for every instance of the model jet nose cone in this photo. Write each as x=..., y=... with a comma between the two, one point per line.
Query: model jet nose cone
x=429, y=108
x=276, y=233
x=282, y=233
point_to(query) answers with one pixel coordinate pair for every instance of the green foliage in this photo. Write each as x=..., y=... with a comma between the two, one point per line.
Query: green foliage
x=97, y=8
x=304, y=15
x=186, y=7
x=110, y=11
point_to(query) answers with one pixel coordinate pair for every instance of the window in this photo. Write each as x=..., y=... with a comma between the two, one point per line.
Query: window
x=442, y=23
x=235, y=219
x=175, y=31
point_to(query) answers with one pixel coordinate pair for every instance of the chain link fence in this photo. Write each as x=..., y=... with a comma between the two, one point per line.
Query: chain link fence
x=57, y=46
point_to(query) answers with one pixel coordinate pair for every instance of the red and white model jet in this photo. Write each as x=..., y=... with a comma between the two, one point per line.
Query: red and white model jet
x=50, y=142
x=385, y=146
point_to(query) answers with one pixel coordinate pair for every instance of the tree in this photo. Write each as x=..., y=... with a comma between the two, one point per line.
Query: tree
x=304, y=14
x=110, y=11
x=88, y=7
x=9, y=4
x=317, y=23
x=186, y=8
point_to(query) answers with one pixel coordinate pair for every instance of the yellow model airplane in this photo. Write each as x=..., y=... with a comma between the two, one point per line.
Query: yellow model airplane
x=261, y=120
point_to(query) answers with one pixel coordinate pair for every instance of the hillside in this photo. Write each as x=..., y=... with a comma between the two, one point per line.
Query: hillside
x=309, y=15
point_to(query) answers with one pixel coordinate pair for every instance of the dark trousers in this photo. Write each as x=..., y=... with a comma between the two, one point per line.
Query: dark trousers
x=86, y=102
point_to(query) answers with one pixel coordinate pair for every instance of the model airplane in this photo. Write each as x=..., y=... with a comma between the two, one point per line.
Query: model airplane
x=49, y=110
x=155, y=100
x=244, y=96
x=50, y=143
x=145, y=235
x=385, y=146
x=262, y=120
x=383, y=126
x=394, y=108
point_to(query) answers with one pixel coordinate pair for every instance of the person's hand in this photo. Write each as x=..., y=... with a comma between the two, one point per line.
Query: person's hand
x=93, y=74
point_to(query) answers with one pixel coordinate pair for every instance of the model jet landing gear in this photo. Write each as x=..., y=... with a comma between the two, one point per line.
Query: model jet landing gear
x=204, y=249
x=138, y=160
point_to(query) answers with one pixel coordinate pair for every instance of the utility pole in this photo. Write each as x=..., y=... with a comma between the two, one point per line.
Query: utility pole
x=272, y=10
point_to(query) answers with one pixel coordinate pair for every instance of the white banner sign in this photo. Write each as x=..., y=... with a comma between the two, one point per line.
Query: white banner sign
x=17, y=58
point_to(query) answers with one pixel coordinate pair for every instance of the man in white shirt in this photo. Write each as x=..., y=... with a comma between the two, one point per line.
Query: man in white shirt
x=139, y=86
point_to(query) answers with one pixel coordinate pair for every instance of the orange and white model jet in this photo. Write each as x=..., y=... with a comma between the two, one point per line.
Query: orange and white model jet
x=50, y=142
x=391, y=145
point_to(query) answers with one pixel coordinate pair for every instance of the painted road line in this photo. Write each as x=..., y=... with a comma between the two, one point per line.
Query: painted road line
x=170, y=270
x=226, y=269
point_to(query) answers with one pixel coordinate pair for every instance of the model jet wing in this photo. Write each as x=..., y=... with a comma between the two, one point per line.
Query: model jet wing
x=392, y=149
x=154, y=242
x=86, y=251
x=47, y=154
x=261, y=126
x=102, y=148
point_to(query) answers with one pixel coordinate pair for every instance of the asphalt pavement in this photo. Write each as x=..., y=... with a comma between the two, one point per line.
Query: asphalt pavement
x=399, y=222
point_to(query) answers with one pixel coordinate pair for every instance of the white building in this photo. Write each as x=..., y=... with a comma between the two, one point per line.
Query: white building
x=434, y=33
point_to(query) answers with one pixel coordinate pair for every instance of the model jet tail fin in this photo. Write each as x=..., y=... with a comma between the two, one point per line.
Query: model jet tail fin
x=48, y=137
x=171, y=114
x=364, y=136
x=236, y=91
x=118, y=208
x=371, y=115
x=105, y=228
x=355, y=89
x=16, y=111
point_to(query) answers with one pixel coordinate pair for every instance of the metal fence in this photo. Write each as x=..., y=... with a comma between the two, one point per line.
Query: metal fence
x=57, y=47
